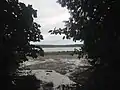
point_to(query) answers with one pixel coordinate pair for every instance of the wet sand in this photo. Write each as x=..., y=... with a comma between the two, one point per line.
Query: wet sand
x=61, y=62
x=54, y=64
x=52, y=68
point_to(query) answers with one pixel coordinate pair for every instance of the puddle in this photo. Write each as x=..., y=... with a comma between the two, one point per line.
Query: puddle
x=49, y=70
x=49, y=76
x=52, y=76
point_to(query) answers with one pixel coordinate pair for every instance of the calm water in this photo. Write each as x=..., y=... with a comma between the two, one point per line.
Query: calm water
x=56, y=49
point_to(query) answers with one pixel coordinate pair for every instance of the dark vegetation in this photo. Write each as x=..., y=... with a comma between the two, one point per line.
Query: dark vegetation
x=96, y=22
x=17, y=29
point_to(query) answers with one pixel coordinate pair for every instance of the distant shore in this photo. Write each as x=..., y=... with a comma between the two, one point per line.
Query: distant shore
x=53, y=46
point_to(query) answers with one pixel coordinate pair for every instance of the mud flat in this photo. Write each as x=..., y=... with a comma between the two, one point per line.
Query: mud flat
x=55, y=67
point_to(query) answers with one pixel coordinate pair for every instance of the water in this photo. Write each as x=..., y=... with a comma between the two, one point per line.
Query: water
x=52, y=76
x=50, y=67
x=59, y=49
x=47, y=75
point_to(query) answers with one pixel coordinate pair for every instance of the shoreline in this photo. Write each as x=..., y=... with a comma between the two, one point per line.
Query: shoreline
x=56, y=64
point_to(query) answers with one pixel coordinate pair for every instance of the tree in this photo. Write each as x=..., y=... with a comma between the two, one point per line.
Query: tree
x=17, y=29
x=96, y=23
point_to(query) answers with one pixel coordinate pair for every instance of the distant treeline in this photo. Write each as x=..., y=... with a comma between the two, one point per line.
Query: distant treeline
x=52, y=46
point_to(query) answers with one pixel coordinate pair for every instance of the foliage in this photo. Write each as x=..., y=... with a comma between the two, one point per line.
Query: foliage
x=91, y=22
x=17, y=30
x=95, y=22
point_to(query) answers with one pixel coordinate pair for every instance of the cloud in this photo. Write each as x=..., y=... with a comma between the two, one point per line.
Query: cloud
x=54, y=19
x=50, y=15
x=56, y=40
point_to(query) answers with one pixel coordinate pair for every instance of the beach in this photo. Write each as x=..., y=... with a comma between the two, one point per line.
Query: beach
x=55, y=67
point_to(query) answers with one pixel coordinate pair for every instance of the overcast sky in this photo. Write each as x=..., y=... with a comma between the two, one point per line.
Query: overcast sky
x=49, y=15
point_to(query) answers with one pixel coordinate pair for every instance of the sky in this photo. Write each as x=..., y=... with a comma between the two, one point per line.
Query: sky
x=50, y=15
